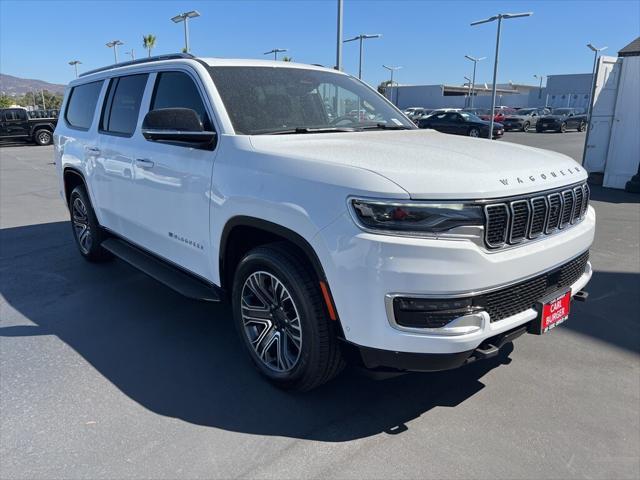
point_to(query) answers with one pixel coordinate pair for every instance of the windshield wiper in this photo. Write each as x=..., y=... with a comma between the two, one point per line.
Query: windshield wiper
x=384, y=126
x=306, y=130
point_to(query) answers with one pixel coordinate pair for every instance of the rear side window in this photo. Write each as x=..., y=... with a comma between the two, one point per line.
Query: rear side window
x=82, y=104
x=121, y=109
x=177, y=89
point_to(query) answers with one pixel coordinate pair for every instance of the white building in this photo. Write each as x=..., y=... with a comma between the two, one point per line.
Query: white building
x=612, y=153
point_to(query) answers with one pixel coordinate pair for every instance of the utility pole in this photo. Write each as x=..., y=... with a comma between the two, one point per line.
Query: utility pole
x=499, y=18
x=473, y=80
x=541, y=77
x=275, y=52
x=114, y=44
x=339, y=37
x=74, y=64
x=362, y=37
x=131, y=53
x=392, y=69
x=44, y=105
x=469, y=89
x=184, y=18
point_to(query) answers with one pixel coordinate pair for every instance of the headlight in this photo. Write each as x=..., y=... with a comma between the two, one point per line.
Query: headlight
x=416, y=217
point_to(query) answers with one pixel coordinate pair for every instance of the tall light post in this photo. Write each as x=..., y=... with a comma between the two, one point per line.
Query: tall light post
x=131, y=53
x=362, y=37
x=499, y=18
x=392, y=69
x=275, y=52
x=473, y=80
x=114, y=44
x=540, y=77
x=339, y=38
x=74, y=64
x=184, y=18
x=469, y=82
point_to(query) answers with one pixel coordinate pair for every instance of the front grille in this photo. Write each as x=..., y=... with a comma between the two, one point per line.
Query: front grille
x=514, y=221
x=522, y=296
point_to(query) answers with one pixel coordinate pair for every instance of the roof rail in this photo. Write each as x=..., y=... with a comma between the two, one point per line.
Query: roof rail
x=170, y=56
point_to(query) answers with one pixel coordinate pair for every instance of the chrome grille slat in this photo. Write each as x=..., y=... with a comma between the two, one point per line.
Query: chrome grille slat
x=509, y=222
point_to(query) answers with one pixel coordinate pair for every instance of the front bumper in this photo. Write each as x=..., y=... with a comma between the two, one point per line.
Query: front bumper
x=364, y=268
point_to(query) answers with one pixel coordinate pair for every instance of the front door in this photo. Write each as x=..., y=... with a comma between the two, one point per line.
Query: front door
x=172, y=182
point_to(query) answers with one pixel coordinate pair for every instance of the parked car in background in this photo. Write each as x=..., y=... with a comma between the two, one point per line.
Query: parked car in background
x=499, y=114
x=16, y=124
x=460, y=123
x=478, y=112
x=524, y=119
x=414, y=112
x=562, y=119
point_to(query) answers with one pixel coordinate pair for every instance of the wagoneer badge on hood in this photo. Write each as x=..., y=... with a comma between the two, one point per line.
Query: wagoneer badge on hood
x=543, y=176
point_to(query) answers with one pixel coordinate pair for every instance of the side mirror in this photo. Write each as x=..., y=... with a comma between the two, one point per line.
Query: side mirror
x=181, y=125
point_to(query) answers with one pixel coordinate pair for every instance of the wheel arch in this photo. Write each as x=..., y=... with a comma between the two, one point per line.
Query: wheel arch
x=72, y=177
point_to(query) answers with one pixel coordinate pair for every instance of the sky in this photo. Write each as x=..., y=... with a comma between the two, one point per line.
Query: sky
x=427, y=38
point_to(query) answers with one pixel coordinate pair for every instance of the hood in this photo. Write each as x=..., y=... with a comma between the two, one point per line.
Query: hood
x=431, y=165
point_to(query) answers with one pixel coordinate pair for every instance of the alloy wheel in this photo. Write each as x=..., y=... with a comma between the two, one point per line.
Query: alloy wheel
x=81, y=225
x=44, y=138
x=474, y=132
x=271, y=321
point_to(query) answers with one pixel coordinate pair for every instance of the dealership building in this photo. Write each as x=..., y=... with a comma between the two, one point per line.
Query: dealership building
x=571, y=90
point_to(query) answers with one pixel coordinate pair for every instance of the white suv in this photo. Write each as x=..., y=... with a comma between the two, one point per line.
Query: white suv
x=336, y=236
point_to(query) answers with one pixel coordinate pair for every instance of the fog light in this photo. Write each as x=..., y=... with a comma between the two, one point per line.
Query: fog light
x=431, y=313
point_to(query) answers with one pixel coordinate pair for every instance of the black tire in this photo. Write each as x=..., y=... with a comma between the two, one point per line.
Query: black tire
x=582, y=126
x=474, y=132
x=85, y=227
x=42, y=137
x=525, y=127
x=318, y=357
x=562, y=128
x=539, y=129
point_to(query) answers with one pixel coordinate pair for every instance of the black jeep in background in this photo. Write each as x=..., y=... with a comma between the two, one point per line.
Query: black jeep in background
x=561, y=119
x=18, y=124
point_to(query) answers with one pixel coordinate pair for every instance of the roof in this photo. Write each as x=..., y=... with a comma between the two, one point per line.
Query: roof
x=631, y=50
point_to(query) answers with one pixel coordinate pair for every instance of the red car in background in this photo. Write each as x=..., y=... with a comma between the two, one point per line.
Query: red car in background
x=499, y=114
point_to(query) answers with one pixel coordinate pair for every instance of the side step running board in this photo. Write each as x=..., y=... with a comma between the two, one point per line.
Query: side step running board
x=172, y=277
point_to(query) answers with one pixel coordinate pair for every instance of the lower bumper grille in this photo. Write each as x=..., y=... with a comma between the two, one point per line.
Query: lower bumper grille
x=517, y=298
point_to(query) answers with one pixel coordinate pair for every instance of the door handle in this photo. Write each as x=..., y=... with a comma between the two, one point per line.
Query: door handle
x=144, y=163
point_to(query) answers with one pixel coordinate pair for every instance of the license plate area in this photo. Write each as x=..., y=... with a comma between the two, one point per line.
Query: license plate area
x=552, y=311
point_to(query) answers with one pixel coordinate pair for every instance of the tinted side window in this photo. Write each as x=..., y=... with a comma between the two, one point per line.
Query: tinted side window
x=177, y=89
x=82, y=104
x=120, y=113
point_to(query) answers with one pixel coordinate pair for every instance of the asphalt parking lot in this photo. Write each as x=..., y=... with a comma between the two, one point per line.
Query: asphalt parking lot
x=105, y=373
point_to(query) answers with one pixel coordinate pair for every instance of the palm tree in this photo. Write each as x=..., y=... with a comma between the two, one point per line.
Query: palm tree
x=287, y=59
x=149, y=42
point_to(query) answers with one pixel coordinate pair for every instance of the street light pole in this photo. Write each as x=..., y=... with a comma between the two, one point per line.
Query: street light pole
x=362, y=37
x=114, y=44
x=184, y=17
x=473, y=80
x=392, y=69
x=498, y=17
x=541, y=77
x=131, y=53
x=469, y=89
x=339, y=38
x=275, y=52
x=75, y=63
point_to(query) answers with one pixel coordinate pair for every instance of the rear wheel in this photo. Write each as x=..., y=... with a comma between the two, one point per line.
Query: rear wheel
x=525, y=127
x=42, y=137
x=563, y=128
x=474, y=132
x=86, y=230
x=582, y=126
x=279, y=313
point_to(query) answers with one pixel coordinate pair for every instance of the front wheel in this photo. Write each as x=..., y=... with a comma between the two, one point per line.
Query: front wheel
x=525, y=127
x=582, y=126
x=563, y=128
x=43, y=137
x=474, y=132
x=280, y=315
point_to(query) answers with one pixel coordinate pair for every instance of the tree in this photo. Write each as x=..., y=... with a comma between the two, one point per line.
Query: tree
x=382, y=88
x=6, y=101
x=287, y=59
x=149, y=42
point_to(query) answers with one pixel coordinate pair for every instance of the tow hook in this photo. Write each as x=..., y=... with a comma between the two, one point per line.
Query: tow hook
x=581, y=296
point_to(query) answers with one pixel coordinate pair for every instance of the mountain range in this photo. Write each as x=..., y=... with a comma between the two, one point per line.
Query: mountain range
x=16, y=86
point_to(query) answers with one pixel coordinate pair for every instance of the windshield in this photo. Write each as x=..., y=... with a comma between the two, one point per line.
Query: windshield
x=562, y=111
x=526, y=111
x=263, y=100
x=470, y=117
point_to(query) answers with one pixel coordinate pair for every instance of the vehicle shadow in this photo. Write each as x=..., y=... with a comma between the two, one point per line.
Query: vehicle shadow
x=612, y=195
x=183, y=359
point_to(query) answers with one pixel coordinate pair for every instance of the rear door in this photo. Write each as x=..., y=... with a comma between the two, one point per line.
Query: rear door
x=117, y=147
x=172, y=182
